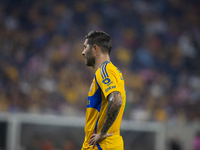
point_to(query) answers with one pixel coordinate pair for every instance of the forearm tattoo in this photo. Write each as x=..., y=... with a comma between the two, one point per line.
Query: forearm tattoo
x=114, y=104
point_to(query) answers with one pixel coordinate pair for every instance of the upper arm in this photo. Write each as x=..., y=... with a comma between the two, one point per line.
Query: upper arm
x=115, y=97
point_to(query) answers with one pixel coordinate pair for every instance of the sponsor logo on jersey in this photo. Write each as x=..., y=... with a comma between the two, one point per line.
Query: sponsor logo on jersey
x=107, y=81
x=111, y=87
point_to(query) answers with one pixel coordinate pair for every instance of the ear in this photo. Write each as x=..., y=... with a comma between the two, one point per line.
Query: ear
x=95, y=47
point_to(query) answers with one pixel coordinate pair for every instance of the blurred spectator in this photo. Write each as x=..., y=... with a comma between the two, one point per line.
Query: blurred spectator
x=156, y=45
x=69, y=145
x=47, y=145
x=175, y=144
x=35, y=144
x=196, y=142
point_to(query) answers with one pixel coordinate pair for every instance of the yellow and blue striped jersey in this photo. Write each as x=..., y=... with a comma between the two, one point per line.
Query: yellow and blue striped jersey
x=107, y=79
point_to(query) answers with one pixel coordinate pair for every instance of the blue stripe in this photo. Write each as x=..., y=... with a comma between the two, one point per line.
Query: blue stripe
x=102, y=69
x=105, y=70
x=95, y=100
x=102, y=64
x=96, y=125
x=101, y=74
x=99, y=89
x=99, y=147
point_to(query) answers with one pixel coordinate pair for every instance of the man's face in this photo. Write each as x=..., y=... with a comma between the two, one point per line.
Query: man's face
x=88, y=54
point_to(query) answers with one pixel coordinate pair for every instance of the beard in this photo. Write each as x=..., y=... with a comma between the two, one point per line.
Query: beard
x=90, y=61
x=89, y=58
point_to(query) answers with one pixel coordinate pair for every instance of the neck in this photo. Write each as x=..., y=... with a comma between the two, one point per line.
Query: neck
x=100, y=59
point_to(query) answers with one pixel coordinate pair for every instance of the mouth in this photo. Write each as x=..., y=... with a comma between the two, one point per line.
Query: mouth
x=85, y=59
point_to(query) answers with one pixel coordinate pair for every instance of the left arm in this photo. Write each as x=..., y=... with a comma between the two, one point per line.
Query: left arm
x=114, y=105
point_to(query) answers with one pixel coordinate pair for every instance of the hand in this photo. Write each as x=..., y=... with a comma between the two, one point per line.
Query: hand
x=95, y=138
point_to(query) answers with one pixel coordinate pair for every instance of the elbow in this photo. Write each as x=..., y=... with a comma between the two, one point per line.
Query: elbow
x=119, y=104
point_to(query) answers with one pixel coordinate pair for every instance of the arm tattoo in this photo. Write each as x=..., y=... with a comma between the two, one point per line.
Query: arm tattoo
x=114, y=104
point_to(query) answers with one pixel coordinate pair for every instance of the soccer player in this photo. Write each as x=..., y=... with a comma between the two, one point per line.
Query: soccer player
x=106, y=96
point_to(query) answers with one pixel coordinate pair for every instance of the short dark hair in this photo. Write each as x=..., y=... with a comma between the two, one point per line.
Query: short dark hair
x=101, y=39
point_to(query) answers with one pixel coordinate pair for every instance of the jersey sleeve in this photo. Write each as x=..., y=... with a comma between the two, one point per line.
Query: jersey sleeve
x=107, y=81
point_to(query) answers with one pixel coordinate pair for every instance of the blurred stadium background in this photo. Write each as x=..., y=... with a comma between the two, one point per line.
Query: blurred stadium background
x=44, y=80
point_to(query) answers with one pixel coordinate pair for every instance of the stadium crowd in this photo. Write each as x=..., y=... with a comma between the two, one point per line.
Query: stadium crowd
x=156, y=44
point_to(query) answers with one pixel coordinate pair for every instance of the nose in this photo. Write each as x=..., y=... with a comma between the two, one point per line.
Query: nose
x=83, y=53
